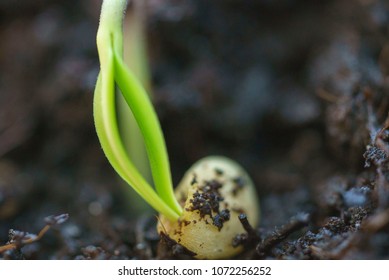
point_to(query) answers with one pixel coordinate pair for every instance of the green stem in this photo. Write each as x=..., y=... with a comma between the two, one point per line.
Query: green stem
x=109, y=43
x=135, y=57
x=147, y=120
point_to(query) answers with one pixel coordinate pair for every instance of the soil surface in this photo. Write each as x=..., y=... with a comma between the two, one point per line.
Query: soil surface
x=296, y=91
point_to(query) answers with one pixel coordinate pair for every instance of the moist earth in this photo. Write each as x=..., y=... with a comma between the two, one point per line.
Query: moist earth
x=296, y=91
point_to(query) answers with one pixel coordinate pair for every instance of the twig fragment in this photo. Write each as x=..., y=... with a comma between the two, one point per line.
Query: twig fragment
x=296, y=223
x=18, y=239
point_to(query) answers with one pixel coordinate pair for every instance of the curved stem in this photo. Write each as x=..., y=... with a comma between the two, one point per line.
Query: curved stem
x=147, y=119
x=110, y=45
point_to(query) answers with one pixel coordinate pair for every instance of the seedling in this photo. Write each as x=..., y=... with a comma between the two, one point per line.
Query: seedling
x=202, y=215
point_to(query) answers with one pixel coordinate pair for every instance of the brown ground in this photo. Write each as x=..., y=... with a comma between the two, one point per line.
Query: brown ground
x=297, y=91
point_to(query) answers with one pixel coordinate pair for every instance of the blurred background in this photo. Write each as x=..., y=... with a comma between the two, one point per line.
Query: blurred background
x=289, y=88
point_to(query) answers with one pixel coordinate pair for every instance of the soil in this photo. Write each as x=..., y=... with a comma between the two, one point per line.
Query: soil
x=296, y=91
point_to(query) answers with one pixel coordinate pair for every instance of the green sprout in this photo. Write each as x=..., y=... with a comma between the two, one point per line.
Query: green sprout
x=113, y=71
x=210, y=191
x=136, y=58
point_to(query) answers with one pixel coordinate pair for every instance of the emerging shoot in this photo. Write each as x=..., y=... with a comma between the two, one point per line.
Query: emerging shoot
x=202, y=215
x=114, y=71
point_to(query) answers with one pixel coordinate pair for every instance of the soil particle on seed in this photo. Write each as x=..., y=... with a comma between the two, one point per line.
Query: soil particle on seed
x=239, y=184
x=207, y=198
x=219, y=172
x=220, y=218
x=194, y=180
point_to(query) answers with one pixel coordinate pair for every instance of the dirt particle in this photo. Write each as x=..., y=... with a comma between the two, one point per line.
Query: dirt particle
x=194, y=180
x=219, y=172
x=94, y=253
x=169, y=247
x=239, y=184
x=374, y=155
x=221, y=218
x=356, y=196
x=177, y=249
x=239, y=239
x=335, y=225
x=207, y=199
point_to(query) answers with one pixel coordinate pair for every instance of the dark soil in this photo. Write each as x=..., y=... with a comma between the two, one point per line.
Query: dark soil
x=296, y=91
